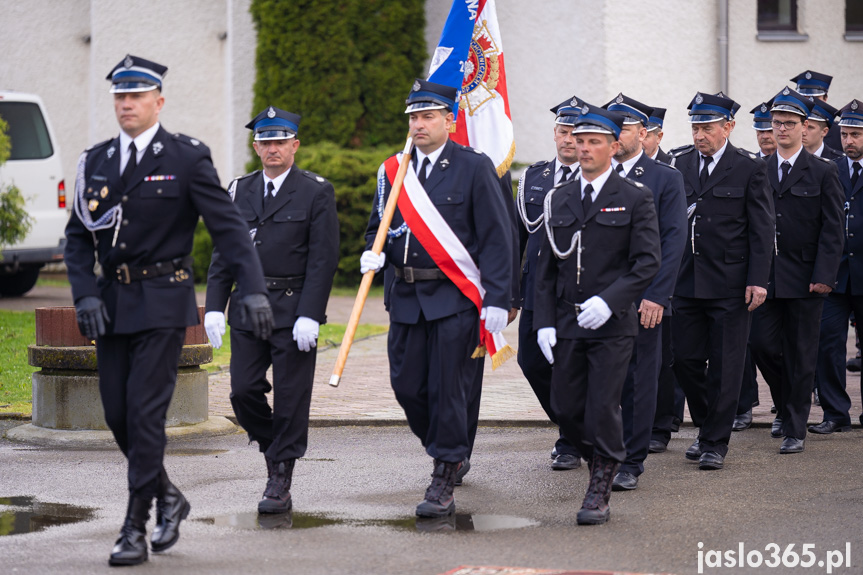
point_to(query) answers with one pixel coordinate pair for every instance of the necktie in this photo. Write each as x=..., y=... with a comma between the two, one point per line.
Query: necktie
x=423, y=168
x=619, y=169
x=565, y=171
x=702, y=177
x=268, y=194
x=587, y=200
x=131, y=164
x=856, y=175
x=786, y=167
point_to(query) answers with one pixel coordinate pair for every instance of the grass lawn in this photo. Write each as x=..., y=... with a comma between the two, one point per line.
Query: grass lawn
x=18, y=330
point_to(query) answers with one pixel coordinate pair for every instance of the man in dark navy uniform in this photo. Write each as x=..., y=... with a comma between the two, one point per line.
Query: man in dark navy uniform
x=638, y=401
x=809, y=202
x=138, y=198
x=763, y=128
x=723, y=275
x=434, y=326
x=817, y=85
x=847, y=297
x=291, y=217
x=600, y=251
x=537, y=180
x=820, y=122
x=653, y=137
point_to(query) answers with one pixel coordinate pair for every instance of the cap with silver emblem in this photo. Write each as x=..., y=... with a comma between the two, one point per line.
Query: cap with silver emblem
x=705, y=108
x=633, y=111
x=134, y=74
x=567, y=111
x=761, y=121
x=852, y=114
x=657, y=117
x=596, y=120
x=275, y=124
x=791, y=101
x=811, y=83
x=427, y=95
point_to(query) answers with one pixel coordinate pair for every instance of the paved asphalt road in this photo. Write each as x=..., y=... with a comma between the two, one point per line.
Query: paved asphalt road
x=367, y=480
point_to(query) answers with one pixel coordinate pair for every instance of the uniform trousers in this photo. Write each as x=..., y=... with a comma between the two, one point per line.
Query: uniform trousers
x=137, y=376
x=282, y=432
x=435, y=380
x=784, y=344
x=710, y=338
x=669, y=396
x=749, y=387
x=586, y=385
x=638, y=401
x=832, y=351
x=537, y=370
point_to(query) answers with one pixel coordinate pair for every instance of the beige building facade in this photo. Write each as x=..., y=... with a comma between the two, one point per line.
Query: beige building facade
x=657, y=51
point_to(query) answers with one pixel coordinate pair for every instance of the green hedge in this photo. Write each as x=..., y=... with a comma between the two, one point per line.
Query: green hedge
x=353, y=174
x=345, y=66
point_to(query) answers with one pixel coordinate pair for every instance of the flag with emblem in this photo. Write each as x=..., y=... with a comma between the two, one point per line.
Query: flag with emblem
x=469, y=57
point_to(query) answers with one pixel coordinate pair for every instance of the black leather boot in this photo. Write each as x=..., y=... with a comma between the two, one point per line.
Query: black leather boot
x=131, y=546
x=594, y=509
x=277, y=495
x=171, y=509
x=439, y=500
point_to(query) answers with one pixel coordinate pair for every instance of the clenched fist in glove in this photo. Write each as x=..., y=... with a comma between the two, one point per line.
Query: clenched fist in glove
x=370, y=261
x=256, y=307
x=306, y=333
x=594, y=313
x=214, y=323
x=92, y=316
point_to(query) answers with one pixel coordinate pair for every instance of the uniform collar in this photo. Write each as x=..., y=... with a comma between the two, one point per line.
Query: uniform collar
x=597, y=182
x=630, y=163
x=277, y=181
x=433, y=157
x=142, y=140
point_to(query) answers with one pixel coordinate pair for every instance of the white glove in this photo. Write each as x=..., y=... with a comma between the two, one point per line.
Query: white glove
x=214, y=323
x=306, y=333
x=546, y=337
x=594, y=313
x=495, y=318
x=372, y=261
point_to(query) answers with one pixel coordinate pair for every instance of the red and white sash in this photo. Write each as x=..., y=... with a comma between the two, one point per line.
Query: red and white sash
x=448, y=253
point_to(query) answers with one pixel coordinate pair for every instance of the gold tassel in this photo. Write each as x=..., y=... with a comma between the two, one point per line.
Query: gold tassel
x=501, y=356
x=478, y=352
x=505, y=165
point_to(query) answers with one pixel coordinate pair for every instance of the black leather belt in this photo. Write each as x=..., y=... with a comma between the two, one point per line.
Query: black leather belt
x=181, y=267
x=293, y=283
x=569, y=306
x=411, y=275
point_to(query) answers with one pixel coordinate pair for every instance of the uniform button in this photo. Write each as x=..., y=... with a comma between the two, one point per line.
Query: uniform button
x=448, y=198
x=125, y=222
x=778, y=215
x=414, y=255
x=159, y=191
x=778, y=233
x=851, y=254
x=260, y=224
x=851, y=216
x=698, y=253
x=581, y=291
x=560, y=222
x=584, y=227
x=850, y=235
x=289, y=217
x=697, y=235
x=257, y=242
x=531, y=198
x=697, y=217
x=122, y=245
x=699, y=199
x=125, y=198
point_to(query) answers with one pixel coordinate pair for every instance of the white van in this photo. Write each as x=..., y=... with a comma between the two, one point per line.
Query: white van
x=34, y=167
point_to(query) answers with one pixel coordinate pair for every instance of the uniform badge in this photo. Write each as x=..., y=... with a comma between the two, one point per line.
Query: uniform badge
x=128, y=62
x=195, y=142
x=786, y=91
x=416, y=87
x=585, y=109
x=808, y=75
x=89, y=190
x=157, y=148
x=763, y=108
x=639, y=170
x=444, y=164
x=181, y=275
x=104, y=192
x=574, y=102
x=271, y=113
x=93, y=205
x=546, y=172
x=699, y=99
x=111, y=151
x=619, y=99
x=854, y=105
x=319, y=179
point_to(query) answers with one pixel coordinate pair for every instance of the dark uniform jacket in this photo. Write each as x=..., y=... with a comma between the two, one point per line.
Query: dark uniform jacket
x=172, y=186
x=809, y=226
x=296, y=237
x=620, y=257
x=734, y=226
x=465, y=189
x=663, y=157
x=829, y=153
x=538, y=180
x=850, y=276
x=669, y=199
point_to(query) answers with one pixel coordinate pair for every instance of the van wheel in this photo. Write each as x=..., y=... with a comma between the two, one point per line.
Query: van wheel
x=19, y=283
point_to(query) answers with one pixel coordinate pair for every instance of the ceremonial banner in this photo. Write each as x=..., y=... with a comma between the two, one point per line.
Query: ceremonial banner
x=469, y=57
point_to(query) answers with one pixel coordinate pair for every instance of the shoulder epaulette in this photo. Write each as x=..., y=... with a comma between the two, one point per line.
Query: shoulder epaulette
x=194, y=142
x=634, y=183
x=249, y=175
x=539, y=163
x=822, y=159
x=314, y=176
x=99, y=145
x=681, y=150
x=747, y=154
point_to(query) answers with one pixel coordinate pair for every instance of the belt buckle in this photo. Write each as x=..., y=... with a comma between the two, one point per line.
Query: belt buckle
x=409, y=275
x=577, y=308
x=123, y=274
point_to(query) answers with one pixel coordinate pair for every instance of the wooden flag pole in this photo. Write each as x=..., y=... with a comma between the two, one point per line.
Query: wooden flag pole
x=366, y=284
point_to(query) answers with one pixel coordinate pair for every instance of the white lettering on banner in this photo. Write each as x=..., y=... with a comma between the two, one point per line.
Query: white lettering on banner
x=472, y=6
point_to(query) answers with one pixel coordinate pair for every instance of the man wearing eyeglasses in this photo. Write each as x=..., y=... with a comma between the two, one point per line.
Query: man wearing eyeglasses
x=808, y=203
x=723, y=275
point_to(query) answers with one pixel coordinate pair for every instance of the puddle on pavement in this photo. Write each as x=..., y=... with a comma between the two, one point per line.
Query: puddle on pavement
x=191, y=451
x=27, y=515
x=457, y=522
